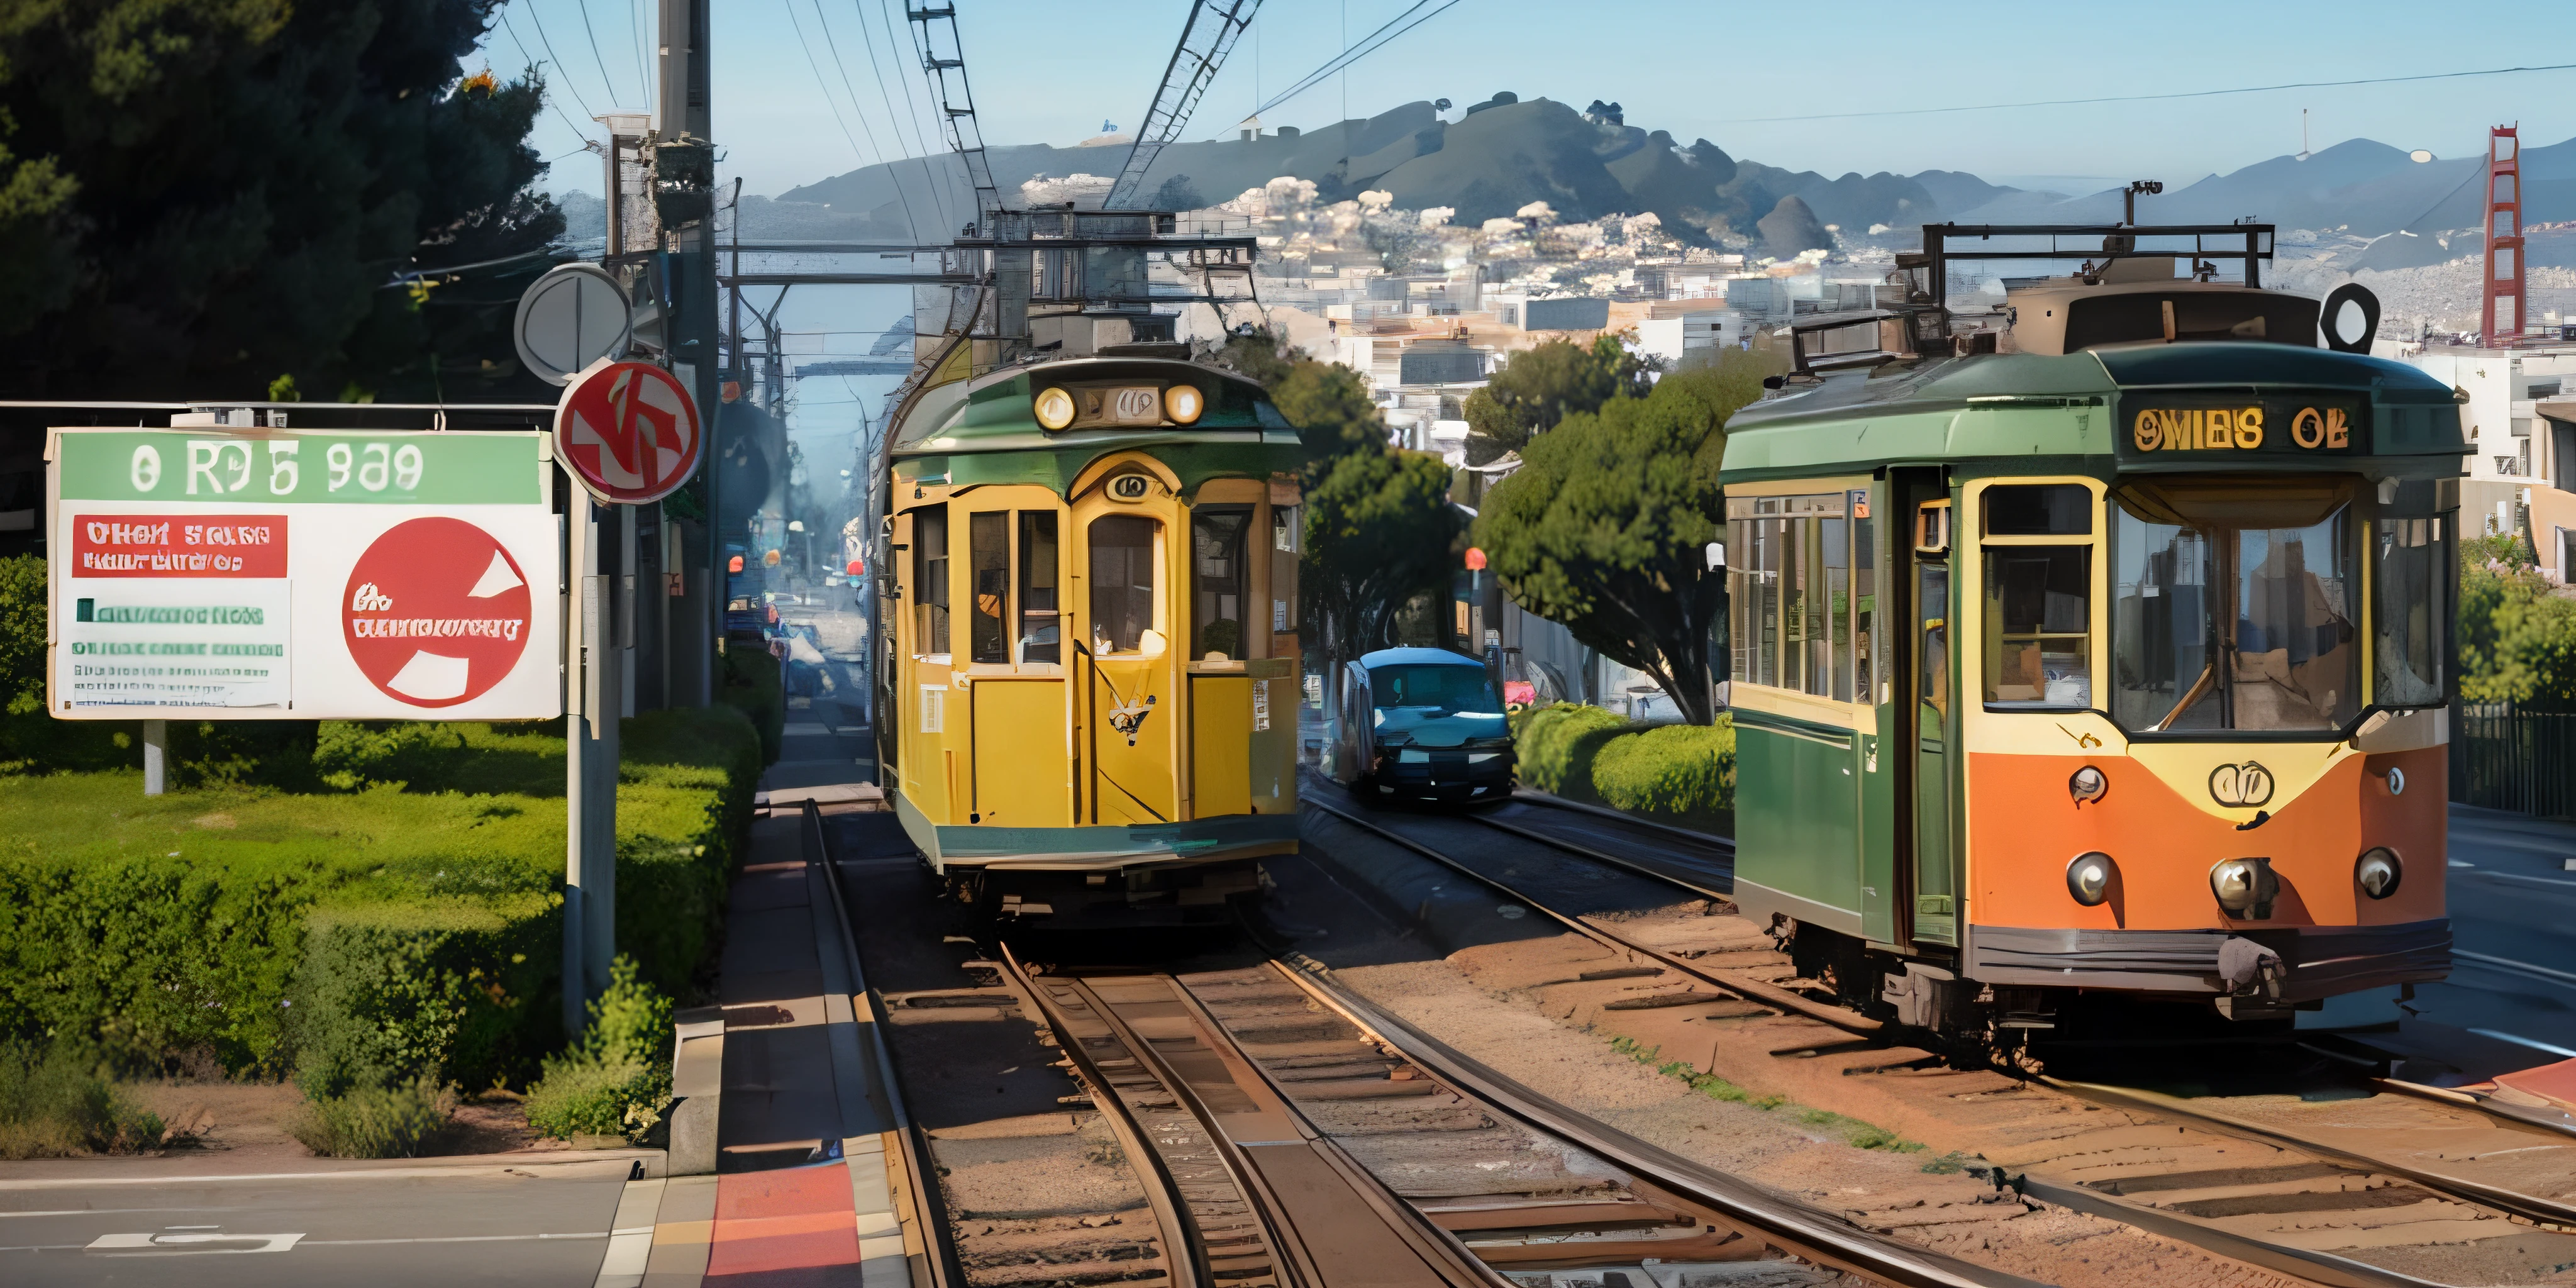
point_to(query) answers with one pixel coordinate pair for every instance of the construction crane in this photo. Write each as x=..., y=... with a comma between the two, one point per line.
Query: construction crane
x=1206, y=38
x=947, y=65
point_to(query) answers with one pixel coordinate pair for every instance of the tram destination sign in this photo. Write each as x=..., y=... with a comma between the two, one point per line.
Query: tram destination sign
x=2220, y=426
x=315, y=574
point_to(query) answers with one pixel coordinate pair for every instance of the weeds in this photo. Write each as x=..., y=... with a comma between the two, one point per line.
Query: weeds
x=376, y=1122
x=60, y=1100
x=617, y=1080
x=1854, y=1132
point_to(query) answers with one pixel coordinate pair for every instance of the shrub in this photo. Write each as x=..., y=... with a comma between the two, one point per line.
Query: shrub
x=57, y=1099
x=616, y=1081
x=748, y=681
x=1675, y=770
x=1557, y=743
x=376, y=1122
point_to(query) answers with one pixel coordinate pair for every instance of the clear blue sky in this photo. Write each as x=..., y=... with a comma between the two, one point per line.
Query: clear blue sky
x=1052, y=72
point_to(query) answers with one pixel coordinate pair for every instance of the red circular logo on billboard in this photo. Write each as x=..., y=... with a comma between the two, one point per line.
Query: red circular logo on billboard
x=436, y=612
x=628, y=431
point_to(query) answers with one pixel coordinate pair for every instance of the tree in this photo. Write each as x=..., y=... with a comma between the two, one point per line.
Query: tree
x=1542, y=386
x=1177, y=193
x=203, y=195
x=1379, y=532
x=2517, y=632
x=1605, y=526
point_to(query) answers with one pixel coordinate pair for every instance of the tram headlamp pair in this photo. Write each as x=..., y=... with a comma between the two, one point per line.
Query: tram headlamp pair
x=1183, y=404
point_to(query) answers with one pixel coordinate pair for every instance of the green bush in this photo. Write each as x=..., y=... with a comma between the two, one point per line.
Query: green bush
x=616, y=1081
x=747, y=679
x=1556, y=746
x=400, y=917
x=1671, y=770
x=376, y=1122
x=58, y=1099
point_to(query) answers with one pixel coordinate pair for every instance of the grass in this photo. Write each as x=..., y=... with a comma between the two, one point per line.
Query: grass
x=376, y=1122
x=1852, y=1131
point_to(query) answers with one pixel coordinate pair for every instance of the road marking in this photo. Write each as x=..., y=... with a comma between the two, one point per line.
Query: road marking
x=474, y=1238
x=2502, y=1036
x=151, y=1244
x=2525, y=968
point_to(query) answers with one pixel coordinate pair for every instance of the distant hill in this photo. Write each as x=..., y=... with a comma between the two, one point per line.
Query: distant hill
x=1508, y=152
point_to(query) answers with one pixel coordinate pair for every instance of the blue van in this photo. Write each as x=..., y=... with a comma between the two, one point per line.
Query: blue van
x=1423, y=724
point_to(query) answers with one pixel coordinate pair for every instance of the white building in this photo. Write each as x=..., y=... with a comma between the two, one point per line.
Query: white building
x=2519, y=449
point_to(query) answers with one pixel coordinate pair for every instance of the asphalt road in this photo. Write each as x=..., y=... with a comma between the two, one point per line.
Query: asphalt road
x=381, y=1227
x=2513, y=929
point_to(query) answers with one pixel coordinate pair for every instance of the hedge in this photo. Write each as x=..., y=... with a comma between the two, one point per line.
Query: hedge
x=1680, y=774
x=402, y=915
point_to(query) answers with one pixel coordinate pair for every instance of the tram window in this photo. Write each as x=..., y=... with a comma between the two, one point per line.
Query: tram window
x=1122, y=584
x=988, y=558
x=2233, y=606
x=930, y=576
x=1864, y=604
x=2149, y=316
x=1932, y=669
x=1833, y=650
x=2038, y=623
x=1040, y=611
x=2414, y=602
x=1284, y=536
x=2039, y=510
x=1801, y=592
x=1218, y=582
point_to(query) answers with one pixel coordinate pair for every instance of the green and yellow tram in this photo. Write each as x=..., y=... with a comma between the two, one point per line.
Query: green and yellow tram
x=2097, y=654
x=1086, y=679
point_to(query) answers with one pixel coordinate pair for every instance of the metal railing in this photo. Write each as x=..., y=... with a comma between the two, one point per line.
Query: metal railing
x=2510, y=759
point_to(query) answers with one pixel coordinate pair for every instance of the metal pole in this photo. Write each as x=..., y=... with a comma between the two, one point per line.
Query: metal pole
x=156, y=757
x=604, y=704
x=583, y=560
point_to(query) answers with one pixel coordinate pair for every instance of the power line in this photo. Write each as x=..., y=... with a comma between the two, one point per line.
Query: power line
x=548, y=41
x=2147, y=98
x=828, y=100
x=861, y=112
x=938, y=195
x=1368, y=44
x=588, y=26
x=578, y=132
x=643, y=69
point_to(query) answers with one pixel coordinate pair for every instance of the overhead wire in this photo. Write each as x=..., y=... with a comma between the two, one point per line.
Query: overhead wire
x=938, y=193
x=534, y=61
x=643, y=68
x=861, y=112
x=593, y=29
x=828, y=100
x=2147, y=98
x=549, y=43
x=1367, y=45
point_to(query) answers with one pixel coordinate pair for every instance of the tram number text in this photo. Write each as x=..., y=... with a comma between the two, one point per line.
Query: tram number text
x=2238, y=429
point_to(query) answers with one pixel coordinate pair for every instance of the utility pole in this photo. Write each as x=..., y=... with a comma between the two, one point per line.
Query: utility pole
x=593, y=701
x=684, y=192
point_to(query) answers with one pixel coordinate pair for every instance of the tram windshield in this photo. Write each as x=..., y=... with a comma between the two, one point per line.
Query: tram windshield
x=1435, y=705
x=2235, y=605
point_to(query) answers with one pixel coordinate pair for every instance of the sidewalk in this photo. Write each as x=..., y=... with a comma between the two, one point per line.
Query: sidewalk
x=803, y=1193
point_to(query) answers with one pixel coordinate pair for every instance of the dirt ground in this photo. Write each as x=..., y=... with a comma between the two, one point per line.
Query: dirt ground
x=1910, y=1193
x=250, y=1121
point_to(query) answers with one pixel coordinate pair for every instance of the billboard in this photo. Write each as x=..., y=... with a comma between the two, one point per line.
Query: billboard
x=308, y=575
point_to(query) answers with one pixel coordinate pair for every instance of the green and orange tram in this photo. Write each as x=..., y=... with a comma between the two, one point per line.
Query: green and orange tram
x=2100, y=646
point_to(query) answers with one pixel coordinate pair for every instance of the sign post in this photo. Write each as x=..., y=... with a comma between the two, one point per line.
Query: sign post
x=628, y=433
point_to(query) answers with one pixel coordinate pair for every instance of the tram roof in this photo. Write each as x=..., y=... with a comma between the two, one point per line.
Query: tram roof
x=1978, y=407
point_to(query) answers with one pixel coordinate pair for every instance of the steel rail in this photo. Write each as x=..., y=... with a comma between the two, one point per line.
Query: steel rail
x=1185, y=1255
x=2539, y=1211
x=2320, y=1267
x=1553, y=801
x=939, y=1267
x=1768, y=995
x=1600, y=856
x=1809, y=1232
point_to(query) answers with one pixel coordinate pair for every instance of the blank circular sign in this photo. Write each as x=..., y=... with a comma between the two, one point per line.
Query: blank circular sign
x=573, y=316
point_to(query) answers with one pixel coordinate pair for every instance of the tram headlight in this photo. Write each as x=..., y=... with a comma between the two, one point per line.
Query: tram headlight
x=2377, y=872
x=2244, y=887
x=2089, y=878
x=1183, y=403
x=1054, y=408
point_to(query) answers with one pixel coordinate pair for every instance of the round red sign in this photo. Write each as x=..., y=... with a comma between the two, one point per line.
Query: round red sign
x=628, y=431
x=436, y=612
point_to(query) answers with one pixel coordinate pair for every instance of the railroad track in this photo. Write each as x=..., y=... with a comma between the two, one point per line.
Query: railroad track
x=1308, y=1142
x=2343, y=1189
